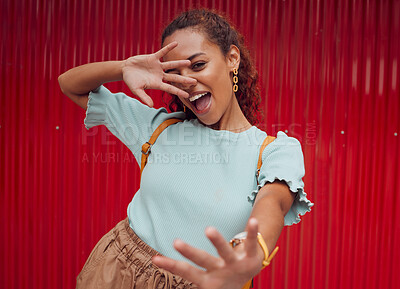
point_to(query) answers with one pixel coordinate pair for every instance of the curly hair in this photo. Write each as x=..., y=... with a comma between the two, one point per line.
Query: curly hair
x=219, y=31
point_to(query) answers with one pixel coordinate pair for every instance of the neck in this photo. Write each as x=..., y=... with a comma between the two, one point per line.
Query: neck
x=235, y=128
x=233, y=120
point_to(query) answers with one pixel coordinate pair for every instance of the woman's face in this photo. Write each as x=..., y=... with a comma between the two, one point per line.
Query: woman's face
x=211, y=99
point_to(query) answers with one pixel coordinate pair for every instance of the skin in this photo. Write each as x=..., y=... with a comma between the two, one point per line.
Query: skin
x=234, y=266
x=138, y=72
x=213, y=72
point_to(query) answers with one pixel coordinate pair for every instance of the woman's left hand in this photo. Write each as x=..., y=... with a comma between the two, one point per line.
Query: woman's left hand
x=232, y=269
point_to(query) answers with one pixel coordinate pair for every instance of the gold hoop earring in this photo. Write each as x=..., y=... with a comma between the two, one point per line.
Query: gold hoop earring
x=184, y=108
x=235, y=80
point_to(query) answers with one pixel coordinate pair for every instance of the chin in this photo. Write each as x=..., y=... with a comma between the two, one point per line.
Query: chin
x=209, y=121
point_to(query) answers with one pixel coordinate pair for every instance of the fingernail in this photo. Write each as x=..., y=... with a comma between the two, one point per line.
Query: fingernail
x=177, y=242
x=253, y=221
x=210, y=229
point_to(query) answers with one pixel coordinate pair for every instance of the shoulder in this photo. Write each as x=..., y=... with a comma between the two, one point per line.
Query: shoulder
x=283, y=144
x=281, y=141
x=283, y=159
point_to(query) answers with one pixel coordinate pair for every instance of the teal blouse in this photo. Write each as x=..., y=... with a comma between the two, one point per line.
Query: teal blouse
x=195, y=176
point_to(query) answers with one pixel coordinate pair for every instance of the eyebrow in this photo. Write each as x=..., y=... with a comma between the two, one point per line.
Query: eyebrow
x=189, y=58
x=195, y=55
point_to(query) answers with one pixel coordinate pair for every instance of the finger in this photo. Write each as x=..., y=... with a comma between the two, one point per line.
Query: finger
x=174, y=64
x=173, y=90
x=251, y=239
x=224, y=249
x=144, y=97
x=160, y=53
x=197, y=256
x=175, y=78
x=181, y=268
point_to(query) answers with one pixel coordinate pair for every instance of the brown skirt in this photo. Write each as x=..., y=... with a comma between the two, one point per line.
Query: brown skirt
x=122, y=260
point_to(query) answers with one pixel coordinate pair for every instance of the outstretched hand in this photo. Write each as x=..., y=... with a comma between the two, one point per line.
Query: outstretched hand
x=232, y=269
x=147, y=72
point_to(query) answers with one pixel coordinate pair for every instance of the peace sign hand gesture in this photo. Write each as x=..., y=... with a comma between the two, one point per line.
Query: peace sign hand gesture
x=231, y=270
x=147, y=72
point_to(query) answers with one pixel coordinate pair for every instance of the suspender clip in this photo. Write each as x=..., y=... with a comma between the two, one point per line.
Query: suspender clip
x=146, y=148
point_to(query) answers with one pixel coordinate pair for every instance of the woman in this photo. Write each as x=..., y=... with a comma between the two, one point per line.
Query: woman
x=200, y=173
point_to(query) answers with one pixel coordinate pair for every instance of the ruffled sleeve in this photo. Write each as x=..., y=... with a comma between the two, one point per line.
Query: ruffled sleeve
x=128, y=119
x=283, y=160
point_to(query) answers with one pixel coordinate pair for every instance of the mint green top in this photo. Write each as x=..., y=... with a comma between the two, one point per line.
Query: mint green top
x=195, y=176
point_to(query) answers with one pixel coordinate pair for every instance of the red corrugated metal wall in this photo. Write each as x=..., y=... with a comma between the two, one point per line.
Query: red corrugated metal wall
x=330, y=77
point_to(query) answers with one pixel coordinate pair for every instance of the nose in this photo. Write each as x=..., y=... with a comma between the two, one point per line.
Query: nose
x=187, y=85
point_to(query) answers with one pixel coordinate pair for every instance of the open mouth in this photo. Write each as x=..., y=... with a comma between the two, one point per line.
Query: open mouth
x=200, y=102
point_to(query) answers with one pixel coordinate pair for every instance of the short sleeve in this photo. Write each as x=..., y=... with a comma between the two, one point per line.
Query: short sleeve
x=125, y=117
x=283, y=160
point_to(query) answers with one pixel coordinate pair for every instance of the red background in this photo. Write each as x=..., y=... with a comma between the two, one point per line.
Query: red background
x=329, y=76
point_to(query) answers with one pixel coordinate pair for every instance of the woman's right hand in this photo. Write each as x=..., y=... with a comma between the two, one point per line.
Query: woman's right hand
x=147, y=72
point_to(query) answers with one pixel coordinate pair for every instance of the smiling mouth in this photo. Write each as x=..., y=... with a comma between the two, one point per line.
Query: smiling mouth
x=200, y=102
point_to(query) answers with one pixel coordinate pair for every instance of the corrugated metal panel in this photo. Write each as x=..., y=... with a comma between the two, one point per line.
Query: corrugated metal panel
x=329, y=72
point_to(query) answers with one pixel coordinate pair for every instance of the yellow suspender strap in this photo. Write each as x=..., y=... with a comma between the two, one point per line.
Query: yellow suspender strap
x=248, y=285
x=146, y=147
x=267, y=141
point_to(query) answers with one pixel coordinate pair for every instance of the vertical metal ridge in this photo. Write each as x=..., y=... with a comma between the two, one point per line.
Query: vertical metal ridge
x=329, y=74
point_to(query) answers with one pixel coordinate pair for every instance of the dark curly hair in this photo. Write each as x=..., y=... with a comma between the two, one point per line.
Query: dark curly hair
x=219, y=31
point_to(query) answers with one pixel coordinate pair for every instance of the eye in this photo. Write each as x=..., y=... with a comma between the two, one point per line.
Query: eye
x=198, y=65
x=172, y=71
